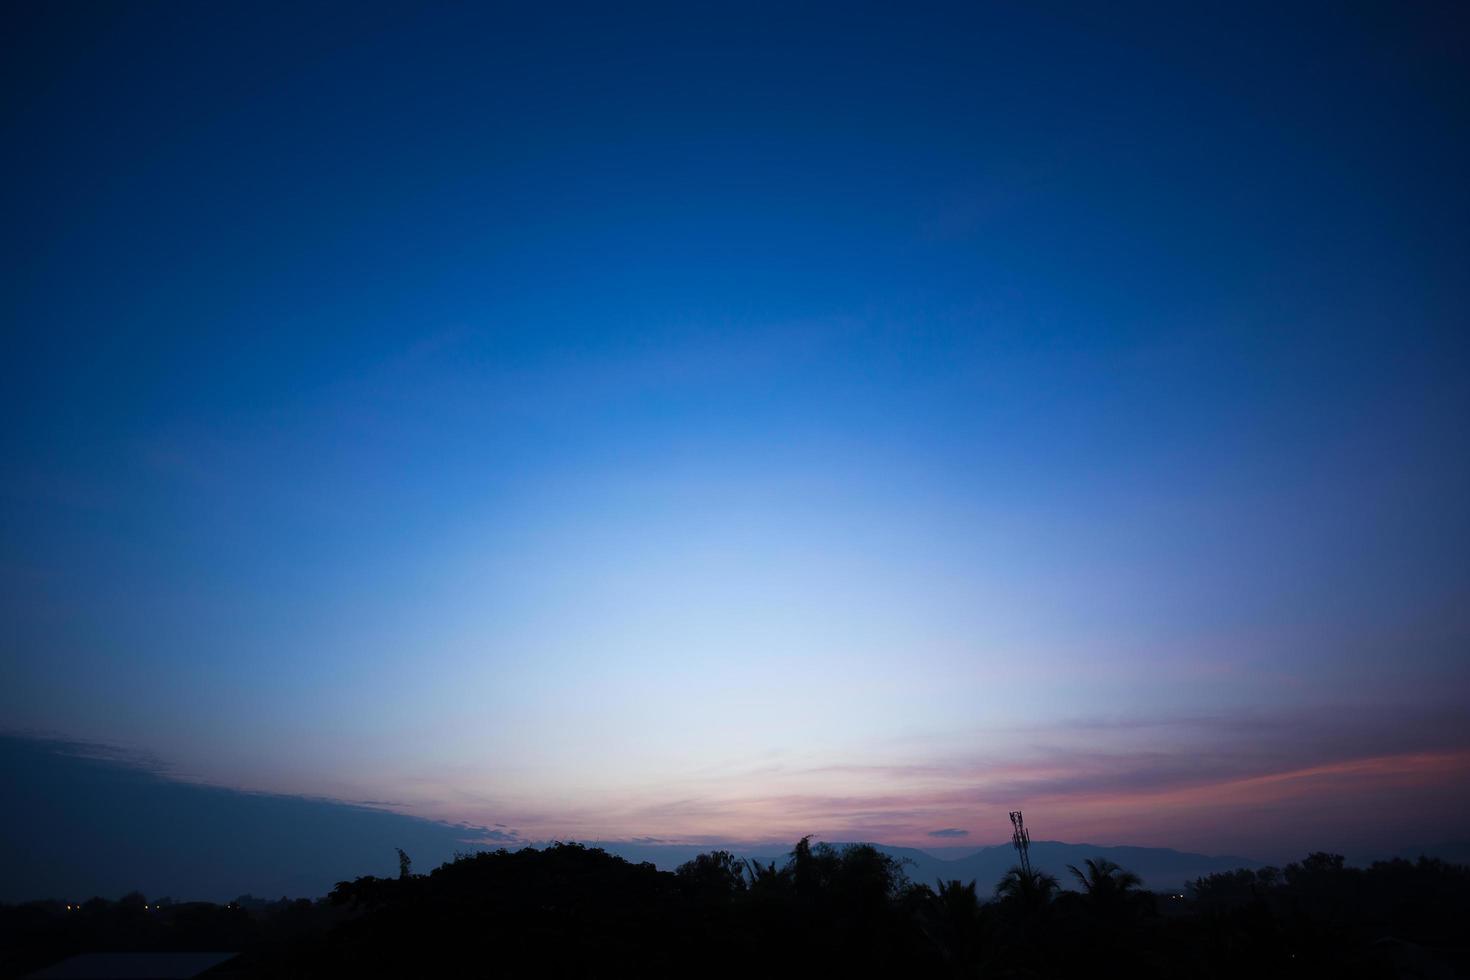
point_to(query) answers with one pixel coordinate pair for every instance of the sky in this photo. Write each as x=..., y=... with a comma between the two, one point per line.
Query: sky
x=737, y=422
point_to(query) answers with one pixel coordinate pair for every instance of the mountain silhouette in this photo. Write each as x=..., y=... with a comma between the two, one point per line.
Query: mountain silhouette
x=1161, y=868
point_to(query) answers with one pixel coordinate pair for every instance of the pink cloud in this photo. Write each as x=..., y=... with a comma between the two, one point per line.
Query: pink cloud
x=1256, y=784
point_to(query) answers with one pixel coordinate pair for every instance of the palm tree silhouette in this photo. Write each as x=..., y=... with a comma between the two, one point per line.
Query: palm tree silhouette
x=954, y=924
x=1104, y=880
x=1030, y=888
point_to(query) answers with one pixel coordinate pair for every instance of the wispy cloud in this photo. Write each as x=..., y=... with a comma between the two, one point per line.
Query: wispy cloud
x=1179, y=781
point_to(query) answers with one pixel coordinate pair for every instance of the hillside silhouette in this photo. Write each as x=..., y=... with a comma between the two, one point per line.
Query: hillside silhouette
x=823, y=910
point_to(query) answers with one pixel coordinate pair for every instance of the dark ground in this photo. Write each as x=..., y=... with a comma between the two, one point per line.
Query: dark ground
x=573, y=911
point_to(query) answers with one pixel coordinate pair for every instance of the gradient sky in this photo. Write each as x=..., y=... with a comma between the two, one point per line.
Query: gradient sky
x=745, y=422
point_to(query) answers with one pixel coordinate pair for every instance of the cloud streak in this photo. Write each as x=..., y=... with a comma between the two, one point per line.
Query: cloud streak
x=1184, y=782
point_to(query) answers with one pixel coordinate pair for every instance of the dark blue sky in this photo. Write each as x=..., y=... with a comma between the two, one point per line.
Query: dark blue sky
x=747, y=421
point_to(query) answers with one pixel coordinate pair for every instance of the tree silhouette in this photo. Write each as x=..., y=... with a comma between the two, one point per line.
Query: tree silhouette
x=1029, y=889
x=1104, y=882
x=954, y=923
x=714, y=876
x=764, y=877
x=569, y=910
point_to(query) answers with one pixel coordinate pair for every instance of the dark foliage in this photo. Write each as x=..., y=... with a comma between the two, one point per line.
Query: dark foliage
x=568, y=910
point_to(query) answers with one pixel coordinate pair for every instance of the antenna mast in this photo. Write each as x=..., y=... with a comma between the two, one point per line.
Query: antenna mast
x=1022, y=839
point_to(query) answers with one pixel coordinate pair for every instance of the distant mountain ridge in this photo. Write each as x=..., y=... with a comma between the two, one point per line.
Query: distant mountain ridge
x=1159, y=867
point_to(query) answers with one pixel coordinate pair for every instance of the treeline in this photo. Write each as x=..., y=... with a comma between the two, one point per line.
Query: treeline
x=567, y=910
